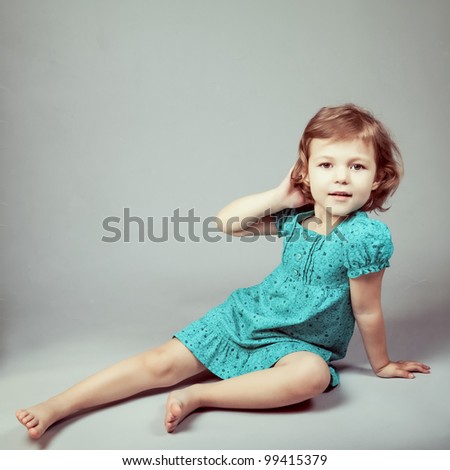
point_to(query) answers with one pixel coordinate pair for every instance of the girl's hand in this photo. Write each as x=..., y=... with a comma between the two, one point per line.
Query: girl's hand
x=292, y=196
x=403, y=369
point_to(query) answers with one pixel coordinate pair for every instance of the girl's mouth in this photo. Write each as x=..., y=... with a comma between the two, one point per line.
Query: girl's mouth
x=340, y=194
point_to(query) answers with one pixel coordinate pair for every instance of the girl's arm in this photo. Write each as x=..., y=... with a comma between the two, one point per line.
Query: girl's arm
x=365, y=294
x=250, y=215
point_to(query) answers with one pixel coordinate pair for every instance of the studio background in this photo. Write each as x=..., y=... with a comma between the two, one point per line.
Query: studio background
x=159, y=106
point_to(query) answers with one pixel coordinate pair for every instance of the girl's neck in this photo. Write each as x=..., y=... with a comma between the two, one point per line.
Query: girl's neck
x=322, y=221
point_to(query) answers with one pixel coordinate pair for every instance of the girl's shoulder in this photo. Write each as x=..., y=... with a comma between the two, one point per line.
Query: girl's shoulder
x=368, y=244
x=359, y=226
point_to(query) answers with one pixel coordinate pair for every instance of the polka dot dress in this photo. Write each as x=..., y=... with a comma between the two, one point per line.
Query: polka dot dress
x=303, y=305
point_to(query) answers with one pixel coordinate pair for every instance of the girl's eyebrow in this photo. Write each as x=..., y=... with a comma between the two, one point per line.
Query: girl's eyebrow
x=351, y=159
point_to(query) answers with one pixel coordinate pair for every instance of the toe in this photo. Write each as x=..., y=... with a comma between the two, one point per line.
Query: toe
x=31, y=424
x=27, y=418
x=20, y=414
x=174, y=412
x=35, y=433
x=173, y=416
x=171, y=425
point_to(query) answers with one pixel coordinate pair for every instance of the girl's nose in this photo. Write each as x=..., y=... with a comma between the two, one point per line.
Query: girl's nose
x=341, y=176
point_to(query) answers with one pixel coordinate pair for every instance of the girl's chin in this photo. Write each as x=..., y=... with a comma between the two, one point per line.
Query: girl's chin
x=336, y=210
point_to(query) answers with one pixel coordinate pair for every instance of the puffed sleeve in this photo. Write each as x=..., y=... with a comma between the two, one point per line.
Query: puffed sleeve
x=284, y=221
x=369, y=249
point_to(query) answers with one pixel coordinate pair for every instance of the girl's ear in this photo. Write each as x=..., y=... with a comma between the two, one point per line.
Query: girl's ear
x=375, y=185
x=305, y=174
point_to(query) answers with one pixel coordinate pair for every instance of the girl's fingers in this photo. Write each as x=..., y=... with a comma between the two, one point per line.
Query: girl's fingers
x=403, y=369
x=404, y=374
x=414, y=367
x=419, y=365
x=290, y=171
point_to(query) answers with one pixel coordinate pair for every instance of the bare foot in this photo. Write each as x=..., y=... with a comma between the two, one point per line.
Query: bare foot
x=38, y=419
x=180, y=404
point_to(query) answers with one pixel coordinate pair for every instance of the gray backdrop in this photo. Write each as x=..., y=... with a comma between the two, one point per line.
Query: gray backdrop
x=163, y=105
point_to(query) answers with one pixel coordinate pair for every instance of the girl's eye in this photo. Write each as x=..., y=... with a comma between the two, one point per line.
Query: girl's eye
x=325, y=165
x=357, y=166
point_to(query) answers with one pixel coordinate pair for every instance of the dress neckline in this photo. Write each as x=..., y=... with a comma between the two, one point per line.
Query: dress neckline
x=301, y=216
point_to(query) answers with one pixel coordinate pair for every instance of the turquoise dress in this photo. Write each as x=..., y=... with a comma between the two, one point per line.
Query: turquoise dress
x=303, y=305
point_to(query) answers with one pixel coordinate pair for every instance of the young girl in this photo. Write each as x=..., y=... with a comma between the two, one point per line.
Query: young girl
x=272, y=343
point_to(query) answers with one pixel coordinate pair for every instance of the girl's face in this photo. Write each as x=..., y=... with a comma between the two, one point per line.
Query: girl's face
x=341, y=175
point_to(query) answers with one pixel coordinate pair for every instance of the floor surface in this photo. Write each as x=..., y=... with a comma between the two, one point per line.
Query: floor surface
x=364, y=412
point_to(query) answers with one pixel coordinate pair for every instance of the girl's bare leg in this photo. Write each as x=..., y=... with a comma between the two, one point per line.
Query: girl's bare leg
x=295, y=378
x=160, y=367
